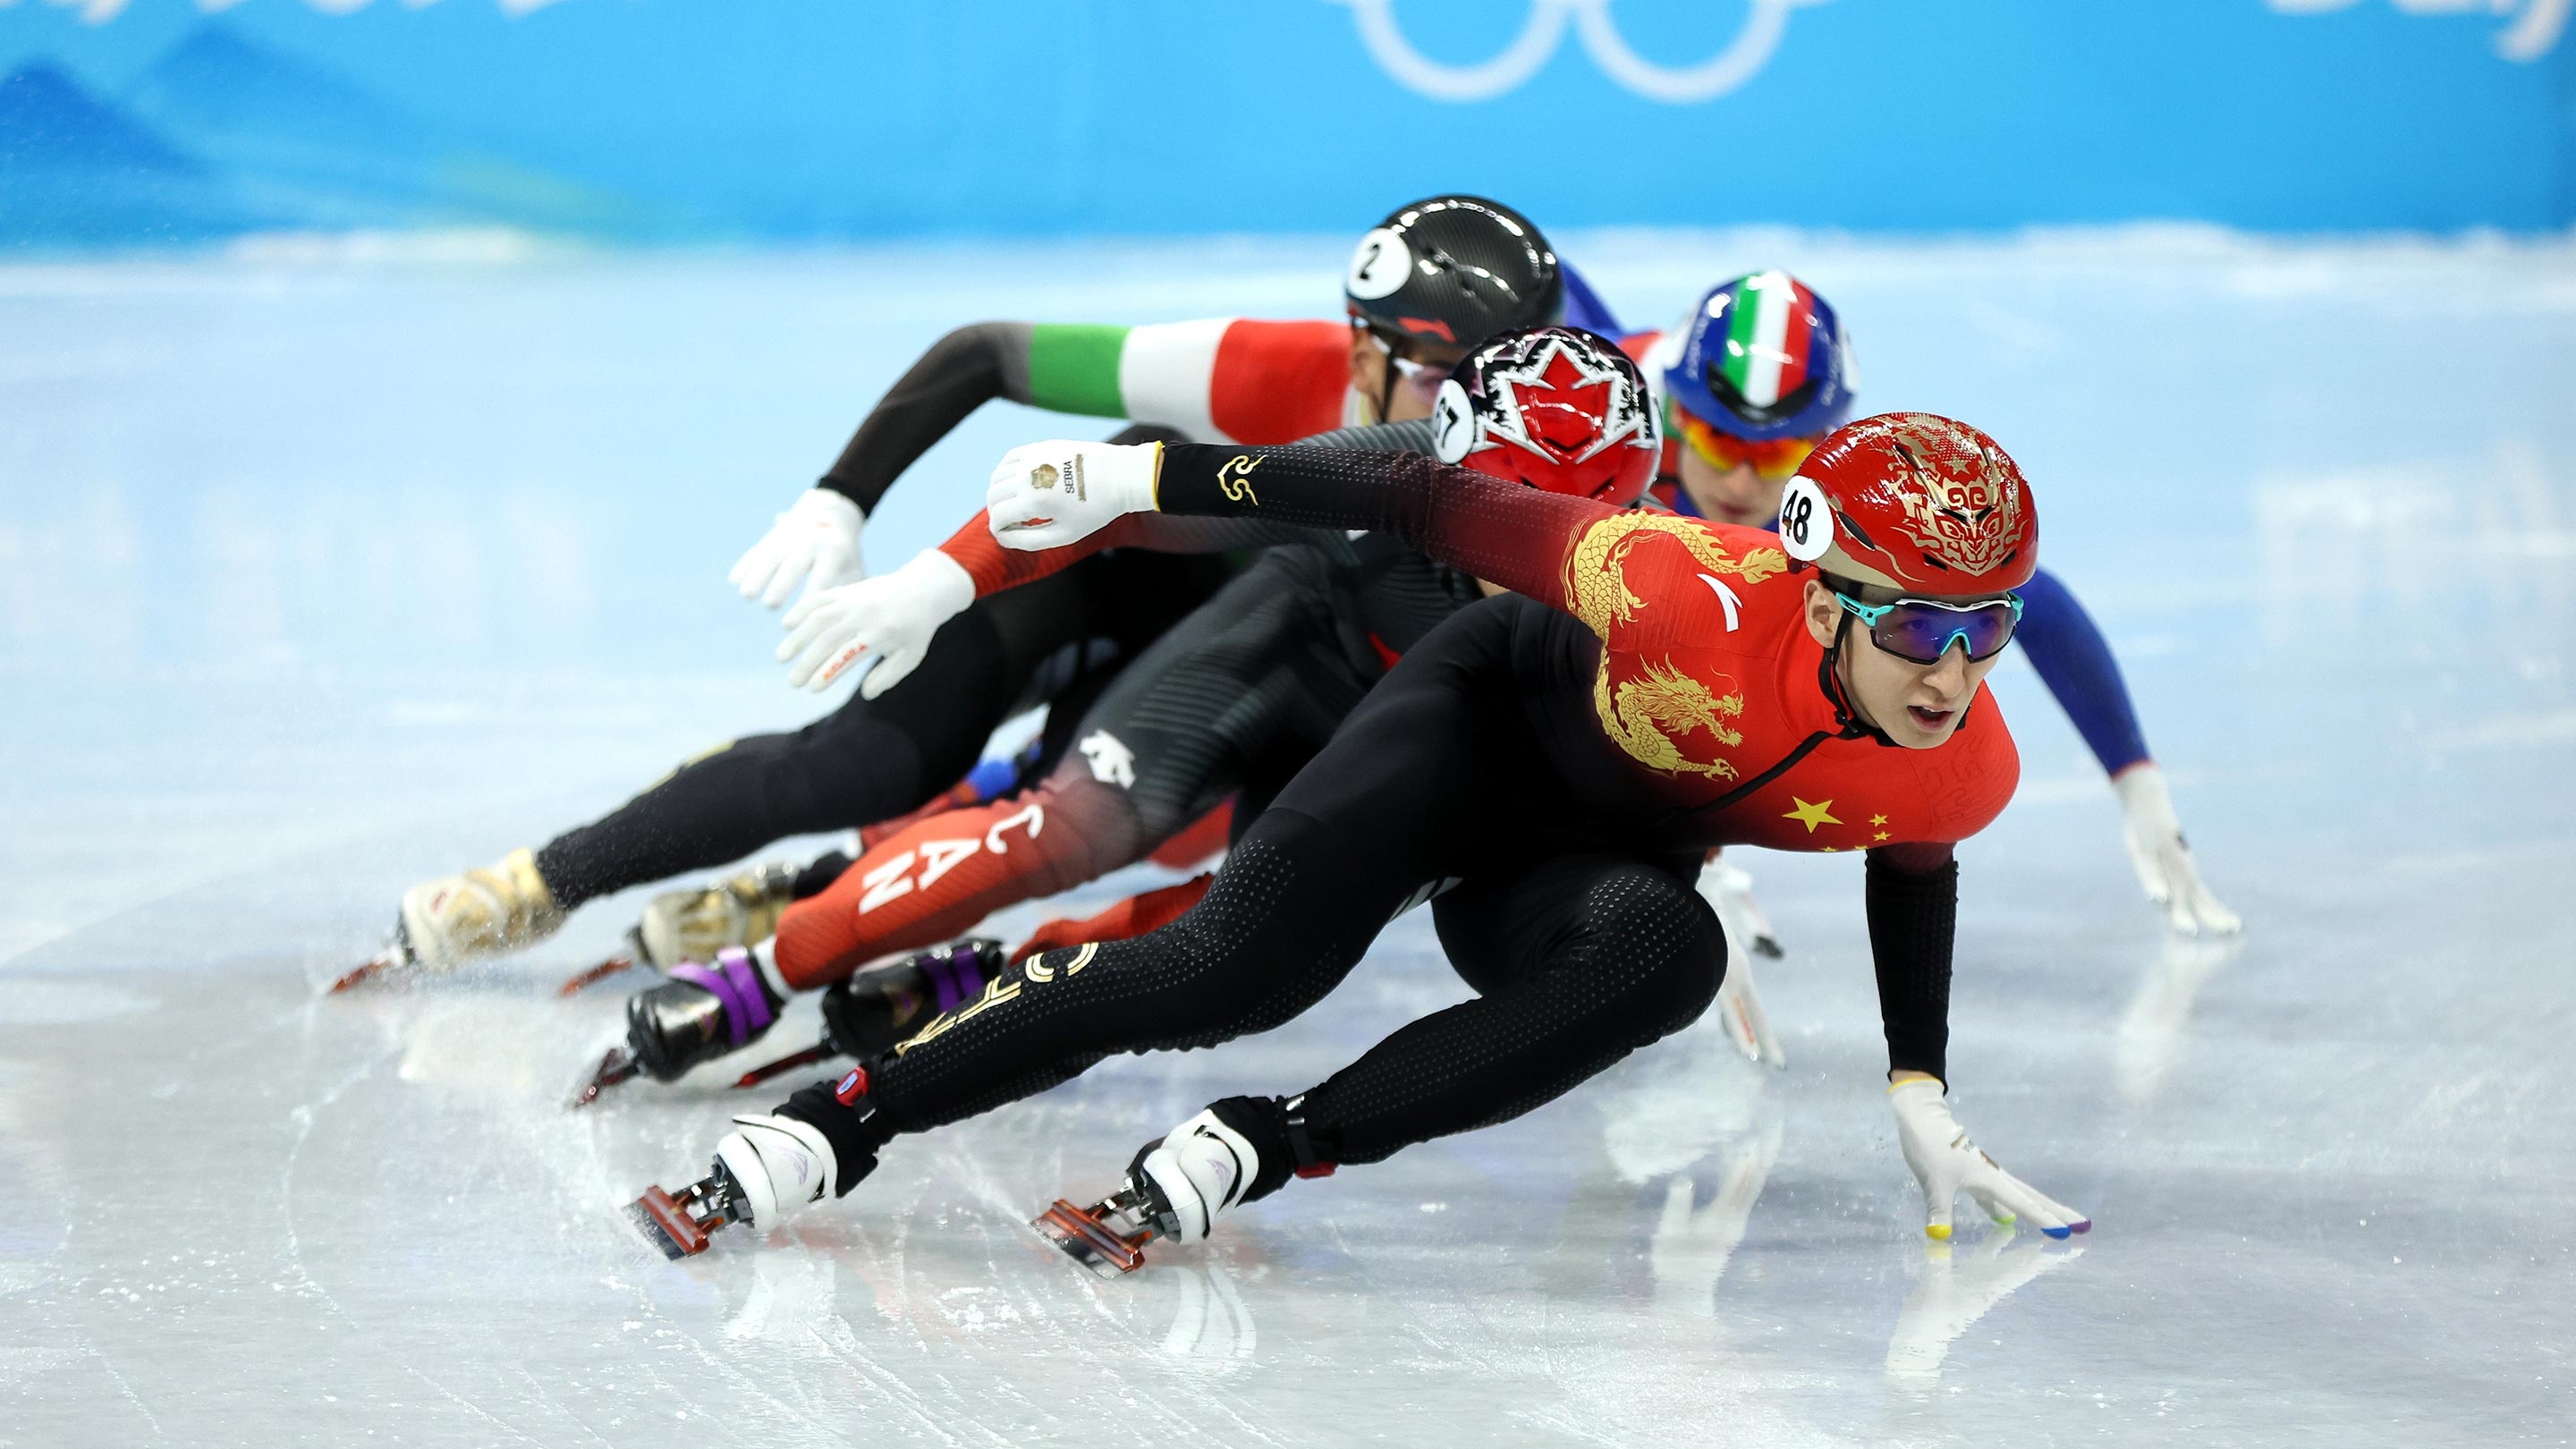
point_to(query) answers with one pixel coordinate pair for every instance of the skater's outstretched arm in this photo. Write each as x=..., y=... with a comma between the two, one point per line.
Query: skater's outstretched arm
x=1547, y=546
x=2075, y=662
x=1220, y=378
x=994, y=568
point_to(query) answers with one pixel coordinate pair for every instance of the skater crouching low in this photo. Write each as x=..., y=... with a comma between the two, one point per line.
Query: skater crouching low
x=1656, y=686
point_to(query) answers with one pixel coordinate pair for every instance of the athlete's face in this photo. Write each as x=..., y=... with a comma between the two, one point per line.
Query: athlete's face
x=1917, y=705
x=1416, y=382
x=1730, y=495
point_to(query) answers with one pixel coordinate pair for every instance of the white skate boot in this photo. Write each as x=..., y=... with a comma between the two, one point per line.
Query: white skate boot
x=1175, y=1189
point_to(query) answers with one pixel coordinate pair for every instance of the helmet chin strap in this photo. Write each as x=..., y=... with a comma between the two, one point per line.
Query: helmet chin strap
x=1838, y=691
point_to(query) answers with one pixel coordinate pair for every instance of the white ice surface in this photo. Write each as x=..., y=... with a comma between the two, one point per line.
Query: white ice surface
x=319, y=573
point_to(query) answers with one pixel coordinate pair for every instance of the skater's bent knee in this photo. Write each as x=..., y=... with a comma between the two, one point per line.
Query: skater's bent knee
x=1664, y=940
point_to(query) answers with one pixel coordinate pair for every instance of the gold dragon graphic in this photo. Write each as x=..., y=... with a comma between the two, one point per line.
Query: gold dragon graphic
x=1648, y=713
x=1596, y=579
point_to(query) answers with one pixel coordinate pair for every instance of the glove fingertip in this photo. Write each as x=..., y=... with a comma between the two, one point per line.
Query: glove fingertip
x=1937, y=1232
x=2080, y=1225
x=2060, y=1233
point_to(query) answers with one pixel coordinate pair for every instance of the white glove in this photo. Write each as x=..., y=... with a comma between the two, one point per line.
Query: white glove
x=887, y=620
x=1729, y=892
x=781, y=1164
x=817, y=535
x=1200, y=1167
x=1046, y=495
x=1945, y=1162
x=2163, y=860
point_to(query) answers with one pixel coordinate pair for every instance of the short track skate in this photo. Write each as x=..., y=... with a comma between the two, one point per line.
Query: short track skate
x=1108, y=1237
x=673, y=1224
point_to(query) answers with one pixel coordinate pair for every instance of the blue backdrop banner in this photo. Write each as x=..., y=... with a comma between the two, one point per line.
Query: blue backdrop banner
x=812, y=119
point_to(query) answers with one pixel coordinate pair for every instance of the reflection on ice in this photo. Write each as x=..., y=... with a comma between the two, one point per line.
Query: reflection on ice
x=1955, y=1287
x=2155, y=1030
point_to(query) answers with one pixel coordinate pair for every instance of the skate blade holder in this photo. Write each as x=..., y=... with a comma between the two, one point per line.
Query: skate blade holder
x=1086, y=1235
x=616, y=1066
x=671, y=1224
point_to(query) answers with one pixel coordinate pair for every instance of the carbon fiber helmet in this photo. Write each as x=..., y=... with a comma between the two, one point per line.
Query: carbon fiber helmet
x=1448, y=272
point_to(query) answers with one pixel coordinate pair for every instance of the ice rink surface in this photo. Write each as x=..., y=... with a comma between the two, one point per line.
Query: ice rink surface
x=328, y=566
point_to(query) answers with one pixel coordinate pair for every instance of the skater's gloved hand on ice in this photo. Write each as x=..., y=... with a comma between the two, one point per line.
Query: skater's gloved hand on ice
x=885, y=622
x=1947, y=1163
x=1046, y=495
x=2163, y=860
x=1729, y=892
x=781, y=1164
x=818, y=536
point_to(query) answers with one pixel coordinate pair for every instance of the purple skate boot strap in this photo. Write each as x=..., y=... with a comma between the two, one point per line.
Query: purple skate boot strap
x=737, y=984
x=955, y=976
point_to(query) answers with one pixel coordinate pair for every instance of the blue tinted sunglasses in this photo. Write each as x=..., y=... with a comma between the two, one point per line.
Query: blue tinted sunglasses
x=1920, y=631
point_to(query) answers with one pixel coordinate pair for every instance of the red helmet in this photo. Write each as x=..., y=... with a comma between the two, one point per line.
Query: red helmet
x=1913, y=501
x=1557, y=408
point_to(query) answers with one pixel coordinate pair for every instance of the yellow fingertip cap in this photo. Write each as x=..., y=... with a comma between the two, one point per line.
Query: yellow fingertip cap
x=1937, y=1232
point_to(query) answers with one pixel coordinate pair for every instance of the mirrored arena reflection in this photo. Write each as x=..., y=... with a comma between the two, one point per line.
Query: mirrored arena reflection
x=321, y=572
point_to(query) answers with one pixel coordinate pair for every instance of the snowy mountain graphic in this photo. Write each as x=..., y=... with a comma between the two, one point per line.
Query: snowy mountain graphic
x=223, y=135
x=76, y=169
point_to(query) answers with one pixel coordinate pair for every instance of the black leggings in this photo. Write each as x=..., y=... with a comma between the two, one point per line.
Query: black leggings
x=1580, y=953
x=1056, y=640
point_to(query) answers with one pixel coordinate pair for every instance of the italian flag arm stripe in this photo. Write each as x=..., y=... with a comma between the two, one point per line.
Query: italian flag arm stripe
x=1076, y=369
x=1276, y=382
x=1165, y=374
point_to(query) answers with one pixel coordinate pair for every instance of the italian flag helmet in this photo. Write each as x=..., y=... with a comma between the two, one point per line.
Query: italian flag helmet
x=1763, y=357
x=1913, y=501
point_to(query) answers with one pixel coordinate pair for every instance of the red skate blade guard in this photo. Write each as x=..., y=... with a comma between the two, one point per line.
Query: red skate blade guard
x=667, y=1225
x=1089, y=1242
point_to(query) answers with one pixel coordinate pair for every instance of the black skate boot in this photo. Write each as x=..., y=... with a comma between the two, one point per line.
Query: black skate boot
x=873, y=1010
x=700, y=1014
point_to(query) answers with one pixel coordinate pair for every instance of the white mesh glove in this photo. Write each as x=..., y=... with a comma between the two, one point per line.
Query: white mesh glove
x=1729, y=892
x=2164, y=864
x=781, y=1164
x=818, y=535
x=887, y=620
x=1046, y=495
x=1947, y=1163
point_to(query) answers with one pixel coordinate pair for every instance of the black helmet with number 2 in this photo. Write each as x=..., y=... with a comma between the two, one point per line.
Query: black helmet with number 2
x=1441, y=275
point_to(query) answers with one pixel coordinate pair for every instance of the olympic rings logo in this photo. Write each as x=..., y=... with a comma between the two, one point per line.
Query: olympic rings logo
x=1544, y=30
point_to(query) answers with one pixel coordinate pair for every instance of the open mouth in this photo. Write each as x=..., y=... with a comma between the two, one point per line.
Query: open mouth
x=1931, y=721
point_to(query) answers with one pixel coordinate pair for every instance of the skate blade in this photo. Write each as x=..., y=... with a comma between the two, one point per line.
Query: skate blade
x=820, y=1051
x=583, y=981
x=615, y=1066
x=665, y=1223
x=388, y=959
x=1089, y=1241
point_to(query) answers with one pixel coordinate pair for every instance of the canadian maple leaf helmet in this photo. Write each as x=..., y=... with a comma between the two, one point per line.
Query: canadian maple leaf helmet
x=1763, y=357
x=1447, y=272
x=1557, y=408
x=1913, y=501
